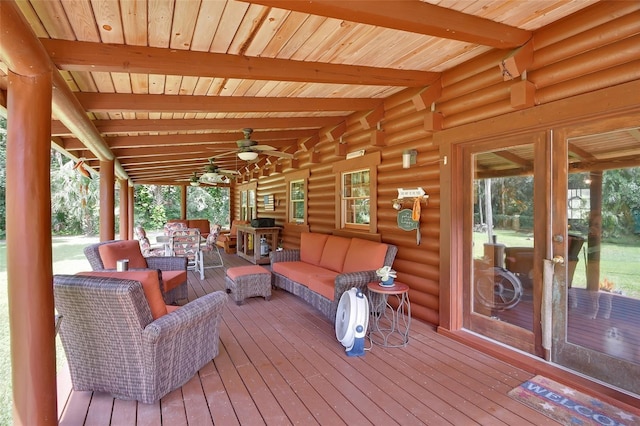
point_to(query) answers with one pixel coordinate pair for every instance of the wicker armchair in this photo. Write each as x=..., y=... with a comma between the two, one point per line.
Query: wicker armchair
x=113, y=344
x=172, y=269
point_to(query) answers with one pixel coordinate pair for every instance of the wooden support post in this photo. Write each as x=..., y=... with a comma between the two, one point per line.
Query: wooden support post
x=29, y=270
x=183, y=202
x=130, y=212
x=123, y=195
x=107, y=200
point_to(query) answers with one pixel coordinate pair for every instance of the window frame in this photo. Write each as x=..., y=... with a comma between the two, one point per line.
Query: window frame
x=248, y=210
x=294, y=177
x=368, y=163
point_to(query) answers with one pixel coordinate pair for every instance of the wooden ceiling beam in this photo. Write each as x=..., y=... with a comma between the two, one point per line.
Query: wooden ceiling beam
x=100, y=57
x=195, y=124
x=124, y=102
x=412, y=16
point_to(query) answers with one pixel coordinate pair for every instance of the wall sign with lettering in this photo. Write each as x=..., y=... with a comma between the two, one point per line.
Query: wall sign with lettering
x=405, y=222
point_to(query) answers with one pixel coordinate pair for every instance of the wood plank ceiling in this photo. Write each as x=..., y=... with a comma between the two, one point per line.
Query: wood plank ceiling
x=171, y=83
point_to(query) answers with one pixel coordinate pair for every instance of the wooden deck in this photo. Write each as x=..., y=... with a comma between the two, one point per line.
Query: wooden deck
x=280, y=363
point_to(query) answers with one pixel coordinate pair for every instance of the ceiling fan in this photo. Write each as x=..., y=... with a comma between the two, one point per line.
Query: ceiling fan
x=214, y=174
x=249, y=149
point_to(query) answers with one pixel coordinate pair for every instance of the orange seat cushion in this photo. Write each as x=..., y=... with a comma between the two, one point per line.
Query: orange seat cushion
x=150, y=286
x=173, y=279
x=364, y=255
x=125, y=249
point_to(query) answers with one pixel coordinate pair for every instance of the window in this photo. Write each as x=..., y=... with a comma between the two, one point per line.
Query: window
x=248, y=208
x=296, y=209
x=356, y=198
x=297, y=197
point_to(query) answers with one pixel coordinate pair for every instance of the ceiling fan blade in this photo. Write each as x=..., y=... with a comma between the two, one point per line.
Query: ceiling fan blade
x=277, y=154
x=263, y=148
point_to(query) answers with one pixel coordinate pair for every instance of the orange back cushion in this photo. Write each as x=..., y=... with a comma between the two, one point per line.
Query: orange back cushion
x=150, y=286
x=311, y=247
x=125, y=249
x=335, y=250
x=364, y=255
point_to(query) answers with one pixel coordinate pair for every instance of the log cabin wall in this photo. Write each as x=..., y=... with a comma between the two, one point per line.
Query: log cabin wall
x=592, y=50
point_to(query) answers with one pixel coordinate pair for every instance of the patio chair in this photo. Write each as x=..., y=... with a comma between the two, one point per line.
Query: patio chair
x=172, y=271
x=229, y=239
x=113, y=343
x=145, y=246
x=211, y=247
x=186, y=243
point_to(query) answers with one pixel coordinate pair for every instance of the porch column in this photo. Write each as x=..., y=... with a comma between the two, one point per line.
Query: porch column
x=107, y=200
x=124, y=209
x=183, y=202
x=130, y=210
x=29, y=269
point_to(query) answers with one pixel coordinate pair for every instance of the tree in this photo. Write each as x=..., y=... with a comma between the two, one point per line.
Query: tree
x=74, y=199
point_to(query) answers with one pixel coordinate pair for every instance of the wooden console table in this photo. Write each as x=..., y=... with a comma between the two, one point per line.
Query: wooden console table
x=248, y=245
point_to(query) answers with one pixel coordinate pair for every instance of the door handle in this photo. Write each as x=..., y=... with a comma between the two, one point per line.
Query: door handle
x=558, y=260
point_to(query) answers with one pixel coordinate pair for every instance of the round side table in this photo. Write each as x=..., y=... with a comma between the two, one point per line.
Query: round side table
x=389, y=322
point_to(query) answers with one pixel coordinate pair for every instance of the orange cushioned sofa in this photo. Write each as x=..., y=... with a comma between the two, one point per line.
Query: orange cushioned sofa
x=326, y=266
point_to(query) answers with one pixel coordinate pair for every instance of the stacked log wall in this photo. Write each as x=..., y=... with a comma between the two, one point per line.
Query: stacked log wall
x=577, y=55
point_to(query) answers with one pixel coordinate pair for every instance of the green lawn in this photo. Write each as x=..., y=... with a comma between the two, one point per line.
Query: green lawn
x=67, y=258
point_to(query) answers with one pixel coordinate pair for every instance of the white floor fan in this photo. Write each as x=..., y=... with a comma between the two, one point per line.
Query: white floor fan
x=352, y=320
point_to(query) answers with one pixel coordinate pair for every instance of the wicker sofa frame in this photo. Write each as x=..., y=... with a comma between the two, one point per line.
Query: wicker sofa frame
x=343, y=282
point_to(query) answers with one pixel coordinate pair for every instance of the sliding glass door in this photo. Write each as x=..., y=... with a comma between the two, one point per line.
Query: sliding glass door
x=597, y=308
x=503, y=225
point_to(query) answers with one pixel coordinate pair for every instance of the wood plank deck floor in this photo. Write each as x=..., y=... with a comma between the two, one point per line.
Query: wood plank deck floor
x=280, y=363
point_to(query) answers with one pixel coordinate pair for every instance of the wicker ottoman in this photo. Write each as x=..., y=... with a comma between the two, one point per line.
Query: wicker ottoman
x=248, y=281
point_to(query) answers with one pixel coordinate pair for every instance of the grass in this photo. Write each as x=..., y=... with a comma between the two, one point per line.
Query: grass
x=68, y=257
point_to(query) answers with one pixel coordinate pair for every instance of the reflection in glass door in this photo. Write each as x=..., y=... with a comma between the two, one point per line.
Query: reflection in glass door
x=601, y=332
x=503, y=286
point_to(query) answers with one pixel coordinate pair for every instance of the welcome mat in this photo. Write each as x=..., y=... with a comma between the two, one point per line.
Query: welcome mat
x=568, y=406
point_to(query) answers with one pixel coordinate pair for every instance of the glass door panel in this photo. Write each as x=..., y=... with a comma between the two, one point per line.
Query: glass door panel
x=502, y=287
x=601, y=334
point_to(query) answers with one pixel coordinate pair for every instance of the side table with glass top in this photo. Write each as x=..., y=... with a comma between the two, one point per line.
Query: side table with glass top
x=390, y=314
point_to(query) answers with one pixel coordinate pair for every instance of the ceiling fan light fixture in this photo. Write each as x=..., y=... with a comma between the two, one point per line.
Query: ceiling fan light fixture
x=247, y=155
x=194, y=183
